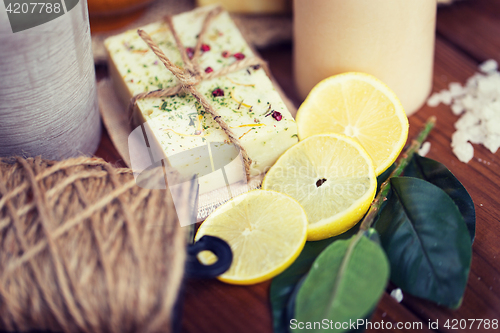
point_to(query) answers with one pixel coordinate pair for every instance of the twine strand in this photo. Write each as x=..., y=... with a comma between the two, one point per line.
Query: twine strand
x=22, y=243
x=185, y=58
x=94, y=227
x=45, y=218
x=71, y=223
x=201, y=36
x=67, y=269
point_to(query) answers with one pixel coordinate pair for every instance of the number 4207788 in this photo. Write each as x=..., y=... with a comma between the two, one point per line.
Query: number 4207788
x=462, y=324
x=33, y=8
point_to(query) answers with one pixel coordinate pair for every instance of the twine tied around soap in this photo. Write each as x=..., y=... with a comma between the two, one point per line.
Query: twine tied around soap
x=192, y=74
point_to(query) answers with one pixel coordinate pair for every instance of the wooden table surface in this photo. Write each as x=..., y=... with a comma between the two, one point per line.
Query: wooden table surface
x=468, y=33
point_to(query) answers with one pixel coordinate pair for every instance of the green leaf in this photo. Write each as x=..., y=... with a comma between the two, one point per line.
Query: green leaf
x=426, y=240
x=344, y=284
x=284, y=284
x=437, y=174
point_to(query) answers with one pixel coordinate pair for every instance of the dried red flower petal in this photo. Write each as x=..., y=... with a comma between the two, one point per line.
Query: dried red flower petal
x=276, y=115
x=226, y=54
x=239, y=56
x=190, y=52
x=205, y=47
x=218, y=92
x=209, y=70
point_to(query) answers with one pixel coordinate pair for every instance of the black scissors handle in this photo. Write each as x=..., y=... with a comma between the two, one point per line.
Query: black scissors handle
x=221, y=249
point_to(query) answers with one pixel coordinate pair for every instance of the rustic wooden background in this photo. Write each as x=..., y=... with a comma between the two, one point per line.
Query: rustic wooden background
x=468, y=33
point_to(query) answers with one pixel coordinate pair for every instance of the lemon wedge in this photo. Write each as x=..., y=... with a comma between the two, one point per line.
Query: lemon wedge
x=331, y=176
x=266, y=231
x=360, y=106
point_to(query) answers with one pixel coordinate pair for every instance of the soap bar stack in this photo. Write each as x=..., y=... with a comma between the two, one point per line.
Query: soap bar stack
x=245, y=99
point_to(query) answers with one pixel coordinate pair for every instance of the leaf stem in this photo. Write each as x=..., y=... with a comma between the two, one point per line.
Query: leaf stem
x=404, y=159
x=341, y=272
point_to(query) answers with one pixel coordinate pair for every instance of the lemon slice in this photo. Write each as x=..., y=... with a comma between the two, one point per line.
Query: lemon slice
x=266, y=231
x=360, y=106
x=331, y=176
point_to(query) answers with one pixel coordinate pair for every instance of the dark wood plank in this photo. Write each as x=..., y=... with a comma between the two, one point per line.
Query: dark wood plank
x=473, y=26
x=212, y=306
x=390, y=311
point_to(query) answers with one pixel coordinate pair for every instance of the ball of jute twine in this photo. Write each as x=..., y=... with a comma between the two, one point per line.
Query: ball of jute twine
x=84, y=249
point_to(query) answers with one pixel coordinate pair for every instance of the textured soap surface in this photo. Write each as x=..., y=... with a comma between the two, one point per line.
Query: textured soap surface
x=179, y=123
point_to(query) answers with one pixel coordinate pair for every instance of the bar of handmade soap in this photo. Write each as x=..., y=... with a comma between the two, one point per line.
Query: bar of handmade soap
x=244, y=99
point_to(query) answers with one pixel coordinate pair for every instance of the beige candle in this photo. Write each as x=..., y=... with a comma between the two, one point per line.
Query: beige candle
x=390, y=39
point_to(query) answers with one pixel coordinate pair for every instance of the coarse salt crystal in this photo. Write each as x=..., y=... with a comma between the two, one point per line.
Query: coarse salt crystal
x=493, y=124
x=424, y=150
x=492, y=142
x=446, y=97
x=472, y=81
x=468, y=102
x=397, y=294
x=479, y=104
x=486, y=87
x=456, y=89
x=488, y=66
x=464, y=151
x=458, y=137
x=466, y=121
x=457, y=108
x=434, y=100
x=475, y=134
x=490, y=111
